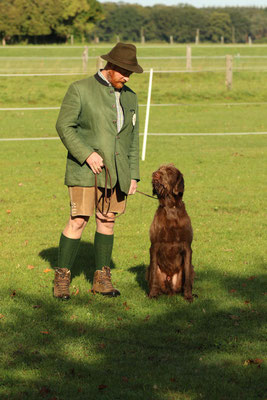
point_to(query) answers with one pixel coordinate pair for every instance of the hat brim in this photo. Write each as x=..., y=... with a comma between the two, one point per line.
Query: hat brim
x=133, y=68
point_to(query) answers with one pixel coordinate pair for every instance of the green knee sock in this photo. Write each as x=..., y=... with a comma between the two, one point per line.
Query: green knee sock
x=67, y=251
x=103, y=249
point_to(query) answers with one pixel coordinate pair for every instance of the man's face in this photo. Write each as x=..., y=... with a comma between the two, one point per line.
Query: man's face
x=118, y=76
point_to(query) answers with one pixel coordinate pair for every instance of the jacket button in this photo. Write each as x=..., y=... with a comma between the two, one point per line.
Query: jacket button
x=116, y=154
x=117, y=137
x=114, y=121
x=111, y=91
x=113, y=105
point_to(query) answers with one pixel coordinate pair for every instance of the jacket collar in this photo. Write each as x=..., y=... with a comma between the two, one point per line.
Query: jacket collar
x=103, y=82
x=100, y=80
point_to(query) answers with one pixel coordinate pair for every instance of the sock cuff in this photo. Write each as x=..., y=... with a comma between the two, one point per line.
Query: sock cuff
x=66, y=239
x=107, y=239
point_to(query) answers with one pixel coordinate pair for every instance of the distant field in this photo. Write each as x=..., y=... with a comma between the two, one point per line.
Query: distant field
x=132, y=348
x=45, y=59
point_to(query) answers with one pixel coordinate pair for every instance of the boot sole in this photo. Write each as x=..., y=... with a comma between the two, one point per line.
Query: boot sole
x=62, y=298
x=108, y=294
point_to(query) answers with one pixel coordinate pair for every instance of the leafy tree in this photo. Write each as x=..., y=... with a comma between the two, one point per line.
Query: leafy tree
x=124, y=20
x=78, y=17
x=219, y=25
x=9, y=19
x=241, y=24
x=30, y=18
x=259, y=24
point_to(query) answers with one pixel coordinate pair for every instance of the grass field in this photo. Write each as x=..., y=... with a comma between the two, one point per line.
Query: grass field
x=131, y=347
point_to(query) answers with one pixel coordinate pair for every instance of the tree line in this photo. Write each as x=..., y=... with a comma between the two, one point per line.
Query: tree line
x=45, y=21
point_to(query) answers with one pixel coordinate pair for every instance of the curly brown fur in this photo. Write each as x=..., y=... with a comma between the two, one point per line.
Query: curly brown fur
x=170, y=270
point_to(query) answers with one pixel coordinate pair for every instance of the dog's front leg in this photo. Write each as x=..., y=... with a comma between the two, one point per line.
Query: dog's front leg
x=152, y=276
x=188, y=271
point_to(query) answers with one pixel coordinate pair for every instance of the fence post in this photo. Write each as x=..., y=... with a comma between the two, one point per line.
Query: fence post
x=171, y=39
x=71, y=39
x=142, y=36
x=85, y=58
x=233, y=34
x=118, y=38
x=222, y=40
x=99, y=63
x=147, y=114
x=188, y=58
x=229, y=72
x=197, y=37
x=250, y=40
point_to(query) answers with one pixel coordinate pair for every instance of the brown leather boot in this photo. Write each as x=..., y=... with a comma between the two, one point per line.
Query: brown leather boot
x=62, y=283
x=102, y=283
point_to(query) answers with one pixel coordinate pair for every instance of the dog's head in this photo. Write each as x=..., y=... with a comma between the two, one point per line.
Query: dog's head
x=168, y=182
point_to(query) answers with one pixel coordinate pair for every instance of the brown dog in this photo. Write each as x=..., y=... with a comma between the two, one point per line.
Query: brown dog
x=170, y=270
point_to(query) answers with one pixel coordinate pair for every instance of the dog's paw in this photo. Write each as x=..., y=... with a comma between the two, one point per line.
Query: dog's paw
x=189, y=298
x=153, y=295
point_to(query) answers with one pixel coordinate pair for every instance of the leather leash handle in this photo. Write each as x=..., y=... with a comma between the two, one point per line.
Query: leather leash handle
x=106, y=199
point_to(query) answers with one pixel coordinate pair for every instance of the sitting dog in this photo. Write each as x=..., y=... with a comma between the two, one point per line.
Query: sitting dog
x=170, y=270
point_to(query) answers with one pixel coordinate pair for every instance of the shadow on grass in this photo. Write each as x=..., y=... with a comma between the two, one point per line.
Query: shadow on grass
x=97, y=348
x=84, y=263
x=140, y=271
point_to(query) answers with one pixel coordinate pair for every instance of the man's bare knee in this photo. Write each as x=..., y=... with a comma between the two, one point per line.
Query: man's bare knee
x=105, y=224
x=75, y=226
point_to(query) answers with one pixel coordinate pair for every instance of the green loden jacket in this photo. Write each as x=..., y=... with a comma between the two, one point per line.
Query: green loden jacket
x=87, y=122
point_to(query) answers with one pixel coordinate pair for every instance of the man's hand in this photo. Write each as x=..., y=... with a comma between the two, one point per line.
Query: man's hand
x=133, y=187
x=95, y=162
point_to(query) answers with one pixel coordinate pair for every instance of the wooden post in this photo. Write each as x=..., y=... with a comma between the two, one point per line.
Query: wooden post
x=250, y=40
x=229, y=72
x=71, y=39
x=188, y=58
x=85, y=58
x=99, y=63
x=171, y=39
x=4, y=41
x=118, y=38
x=197, y=37
x=233, y=34
x=142, y=36
x=96, y=40
x=222, y=40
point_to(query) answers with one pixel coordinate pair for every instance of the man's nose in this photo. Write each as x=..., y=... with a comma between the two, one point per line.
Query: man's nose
x=126, y=78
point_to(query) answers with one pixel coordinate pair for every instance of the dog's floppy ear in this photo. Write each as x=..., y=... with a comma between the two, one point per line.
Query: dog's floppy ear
x=179, y=186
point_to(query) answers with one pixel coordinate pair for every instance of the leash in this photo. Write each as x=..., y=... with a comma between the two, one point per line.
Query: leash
x=145, y=194
x=106, y=198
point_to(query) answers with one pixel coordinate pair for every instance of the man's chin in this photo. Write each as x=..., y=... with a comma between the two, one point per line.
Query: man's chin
x=118, y=85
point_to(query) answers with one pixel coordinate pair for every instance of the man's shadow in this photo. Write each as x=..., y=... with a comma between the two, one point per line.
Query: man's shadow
x=84, y=263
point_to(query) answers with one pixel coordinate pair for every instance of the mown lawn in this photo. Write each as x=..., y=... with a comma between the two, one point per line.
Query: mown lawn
x=132, y=347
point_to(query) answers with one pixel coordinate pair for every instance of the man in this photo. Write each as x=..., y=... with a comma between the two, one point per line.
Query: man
x=98, y=124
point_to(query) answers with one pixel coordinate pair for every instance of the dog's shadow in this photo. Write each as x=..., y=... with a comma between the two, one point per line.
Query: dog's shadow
x=84, y=263
x=140, y=272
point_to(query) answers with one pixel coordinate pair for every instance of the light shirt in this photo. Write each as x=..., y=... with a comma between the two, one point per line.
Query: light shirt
x=120, y=115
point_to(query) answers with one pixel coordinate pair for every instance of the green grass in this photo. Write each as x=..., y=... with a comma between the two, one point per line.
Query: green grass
x=40, y=61
x=141, y=349
x=132, y=347
x=196, y=94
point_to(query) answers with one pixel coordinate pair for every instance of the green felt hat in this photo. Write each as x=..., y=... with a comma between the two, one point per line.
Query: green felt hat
x=124, y=55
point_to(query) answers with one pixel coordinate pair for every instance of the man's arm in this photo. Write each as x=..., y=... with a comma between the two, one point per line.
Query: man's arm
x=67, y=123
x=134, y=150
